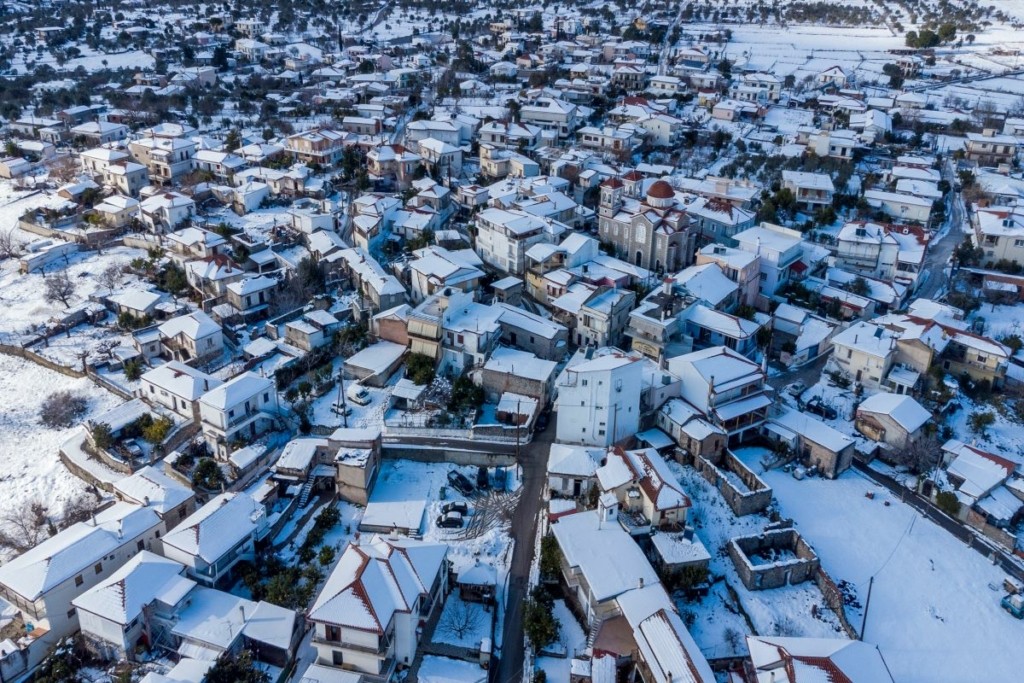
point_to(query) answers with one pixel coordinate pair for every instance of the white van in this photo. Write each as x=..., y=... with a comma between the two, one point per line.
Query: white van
x=358, y=394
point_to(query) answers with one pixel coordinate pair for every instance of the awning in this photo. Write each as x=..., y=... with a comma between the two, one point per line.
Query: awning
x=742, y=407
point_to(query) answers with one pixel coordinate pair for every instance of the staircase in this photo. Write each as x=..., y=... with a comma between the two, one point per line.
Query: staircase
x=307, y=489
x=595, y=628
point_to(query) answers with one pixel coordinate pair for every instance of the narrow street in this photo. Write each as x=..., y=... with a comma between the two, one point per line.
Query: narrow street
x=534, y=458
x=939, y=251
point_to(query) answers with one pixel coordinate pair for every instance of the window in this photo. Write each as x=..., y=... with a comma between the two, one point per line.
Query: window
x=140, y=546
x=333, y=633
x=71, y=613
x=266, y=397
x=98, y=568
x=764, y=276
x=79, y=580
x=600, y=432
x=584, y=382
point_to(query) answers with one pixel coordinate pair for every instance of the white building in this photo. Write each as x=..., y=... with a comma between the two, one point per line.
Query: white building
x=599, y=400
x=237, y=411
x=217, y=536
x=503, y=237
x=367, y=616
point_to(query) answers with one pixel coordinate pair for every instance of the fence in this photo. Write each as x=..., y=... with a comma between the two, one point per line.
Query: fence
x=34, y=357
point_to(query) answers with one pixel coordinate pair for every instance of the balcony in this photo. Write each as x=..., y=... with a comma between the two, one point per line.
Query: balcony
x=380, y=650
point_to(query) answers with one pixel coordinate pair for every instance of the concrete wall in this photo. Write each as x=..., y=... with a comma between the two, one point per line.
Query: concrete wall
x=758, y=496
x=784, y=572
x=456, y=456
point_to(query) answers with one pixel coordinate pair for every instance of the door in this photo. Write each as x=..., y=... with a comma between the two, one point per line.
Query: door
x=577, y=488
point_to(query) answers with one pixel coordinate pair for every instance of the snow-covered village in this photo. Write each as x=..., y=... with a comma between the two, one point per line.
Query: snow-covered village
x=493, y=342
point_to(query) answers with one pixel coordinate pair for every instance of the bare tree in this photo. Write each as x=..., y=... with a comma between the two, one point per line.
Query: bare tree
x=24, y=529
x=112, y=276
x=9, y=247
x=62, y=409
x=59, y=287
x=459, y=618
x=919, y=455
x=79, y=509
x=63, y=168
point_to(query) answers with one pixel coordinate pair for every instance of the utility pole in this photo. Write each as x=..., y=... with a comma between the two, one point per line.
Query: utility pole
x=867, y=604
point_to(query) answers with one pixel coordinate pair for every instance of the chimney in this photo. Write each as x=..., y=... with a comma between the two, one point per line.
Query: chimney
x=666, y=286
x=145, y=501
x=640, y=584
x=355, y=540
x=241, y=610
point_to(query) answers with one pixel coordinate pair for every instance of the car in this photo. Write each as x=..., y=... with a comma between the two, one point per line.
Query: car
x=339, y=409
x=455, y=506
x=542, y=421
x=450, y=520
x=483, y=480
x=460, y=483
x=817, y=407
x=796, y=388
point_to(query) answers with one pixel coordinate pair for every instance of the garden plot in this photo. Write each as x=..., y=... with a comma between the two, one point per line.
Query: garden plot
x=22, y=297
x=932, y=612
x=30, y=469
x=462, y=623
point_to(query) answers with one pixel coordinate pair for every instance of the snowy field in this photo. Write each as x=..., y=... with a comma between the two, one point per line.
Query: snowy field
x=932, y=612
x=30, y=468
x=446, y=670
x=797, y=610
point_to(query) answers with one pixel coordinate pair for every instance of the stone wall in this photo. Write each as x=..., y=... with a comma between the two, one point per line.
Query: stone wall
x=757, y=496
x=801, y=563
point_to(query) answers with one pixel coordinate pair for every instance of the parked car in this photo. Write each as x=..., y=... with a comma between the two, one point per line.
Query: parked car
x=460, y=483
x=456, y=506
x=358, y=394
x=542, y=421
x=483, y=480
x=796, y=388
x=450, y=520
x=817, y=407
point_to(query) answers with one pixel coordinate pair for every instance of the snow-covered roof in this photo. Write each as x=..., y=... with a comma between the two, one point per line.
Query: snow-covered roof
x=76, y=549
x=903, y=409
x=151, y=487
x=605, y=554
x=373, y=581
x=143, y=579
x=236, y=391
x=299, y=453
x=215, y=528
x=980, y=471
x=376, y=358
x=195, y=325
x=668, y=649
x=813, y=429
x=521, y=364
x=181, y=380
x=577, y=461
x=794, y=660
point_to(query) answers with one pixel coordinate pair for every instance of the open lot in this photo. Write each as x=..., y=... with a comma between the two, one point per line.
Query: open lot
x=932, y=612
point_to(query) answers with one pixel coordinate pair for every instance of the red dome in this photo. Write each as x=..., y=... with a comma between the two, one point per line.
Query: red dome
x=661, y=190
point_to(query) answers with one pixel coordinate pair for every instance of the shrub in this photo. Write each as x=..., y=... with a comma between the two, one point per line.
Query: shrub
x=62, y=409
x=157, y=430
x=948, y=503
x=420, y=368
x=980, y=421
x=207, y=474
x=539, y=623
x=133, y=369
x=326, y=555
x=101, y=436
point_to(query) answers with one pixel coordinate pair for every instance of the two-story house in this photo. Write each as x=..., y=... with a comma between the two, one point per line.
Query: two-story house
x=237, y=411
x=42, y=582
x=367, y=616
